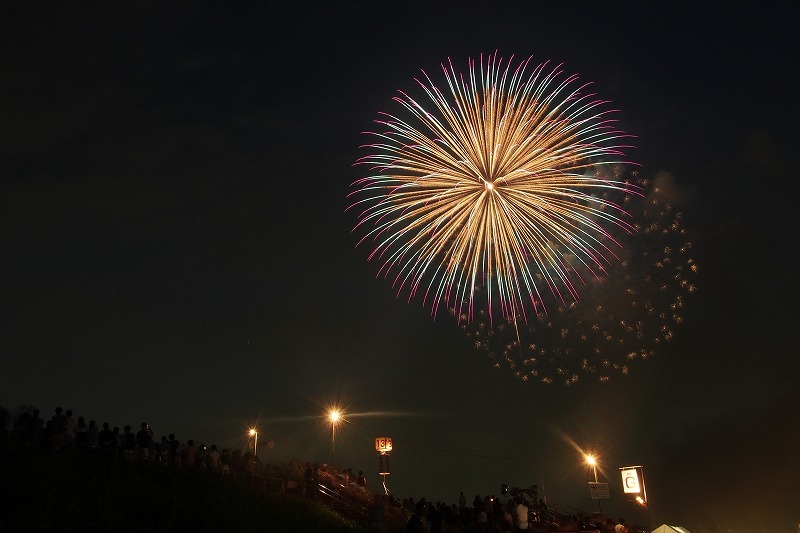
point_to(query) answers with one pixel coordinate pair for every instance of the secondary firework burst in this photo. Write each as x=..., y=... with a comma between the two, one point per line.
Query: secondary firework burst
x=488, y=195
x=622, y=319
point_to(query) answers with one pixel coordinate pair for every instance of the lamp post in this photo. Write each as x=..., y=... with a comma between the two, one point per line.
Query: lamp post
x=334, y=416
x=253, y=432
x=591, y=460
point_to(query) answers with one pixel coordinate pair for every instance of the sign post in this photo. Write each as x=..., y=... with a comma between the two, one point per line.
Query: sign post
x=383, y=445
x=633, y=484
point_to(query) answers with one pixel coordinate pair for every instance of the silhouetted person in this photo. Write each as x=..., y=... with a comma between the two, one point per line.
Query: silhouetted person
x=200, y=459
x=144, y=441
x=92, y=434
x=521, y=514
x=414, y=524
x=225, y=461
x=59, y=424
x=79, y=431
x=69, y=429
x=189, y=454
x=173, y=449
x=163, y=450
x=178, y=458
x=250, y=468
x=106, y=439
x=36, y=426
x=22, y=428
x=477, y=503
x=129, y=444
x=214, y=459
x=48, y=436
x=118, y=439
x=435, y=519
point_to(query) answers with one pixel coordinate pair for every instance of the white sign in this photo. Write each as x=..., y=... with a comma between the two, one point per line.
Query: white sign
x=599, y=491
x=630, y=481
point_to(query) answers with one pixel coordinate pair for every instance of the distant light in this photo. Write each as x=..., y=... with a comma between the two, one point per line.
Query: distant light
x=253, y=432
x=334, y=415
x=591, y=460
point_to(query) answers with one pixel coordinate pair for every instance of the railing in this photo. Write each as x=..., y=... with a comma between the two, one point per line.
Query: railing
x=341, y=503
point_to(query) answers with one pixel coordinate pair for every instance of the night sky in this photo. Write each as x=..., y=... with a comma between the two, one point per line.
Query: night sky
x=177, y=250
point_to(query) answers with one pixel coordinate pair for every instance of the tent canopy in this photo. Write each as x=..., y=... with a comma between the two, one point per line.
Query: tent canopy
x=664, y=528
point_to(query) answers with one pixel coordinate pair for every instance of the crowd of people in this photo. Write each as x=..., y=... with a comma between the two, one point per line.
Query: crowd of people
x=381, y=512
x=490, y=514
x=63, y=431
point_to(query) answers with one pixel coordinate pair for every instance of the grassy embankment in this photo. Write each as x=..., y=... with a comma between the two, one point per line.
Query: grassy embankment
x=87, y=492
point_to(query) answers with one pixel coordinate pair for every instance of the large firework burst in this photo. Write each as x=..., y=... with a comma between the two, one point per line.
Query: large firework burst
x=492, y=188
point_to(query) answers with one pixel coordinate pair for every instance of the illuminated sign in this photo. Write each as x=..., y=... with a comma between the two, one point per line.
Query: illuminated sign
x=630, y=481
x=383, y=444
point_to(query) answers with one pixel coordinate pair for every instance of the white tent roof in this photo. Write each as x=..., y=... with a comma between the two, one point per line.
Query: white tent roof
x=664, y=528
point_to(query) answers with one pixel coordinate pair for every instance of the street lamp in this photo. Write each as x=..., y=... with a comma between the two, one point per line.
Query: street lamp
x=591, y=460
x=334, y=416
x=253, y=432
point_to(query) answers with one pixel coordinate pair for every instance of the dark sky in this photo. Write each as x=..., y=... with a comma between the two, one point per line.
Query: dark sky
x=176, y=248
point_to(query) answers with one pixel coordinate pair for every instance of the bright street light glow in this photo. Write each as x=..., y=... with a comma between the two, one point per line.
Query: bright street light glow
x=335, y=416
x=253, y=432
x=591, y=460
